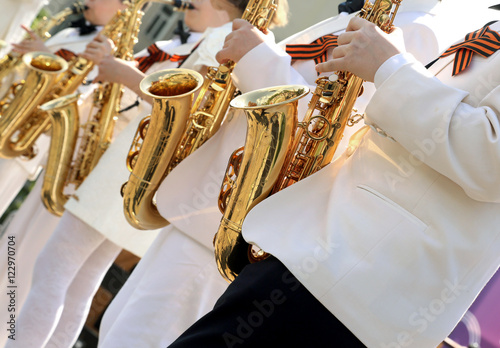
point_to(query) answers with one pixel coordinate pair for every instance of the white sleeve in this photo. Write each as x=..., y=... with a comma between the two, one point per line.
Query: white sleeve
x=212, y=43
x=390, y=66
x=440, y=126
x=265, y=66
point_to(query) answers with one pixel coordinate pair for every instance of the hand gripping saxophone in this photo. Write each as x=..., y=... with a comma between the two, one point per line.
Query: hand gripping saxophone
x=200, y=124
x=72, y=157
x=276, y=157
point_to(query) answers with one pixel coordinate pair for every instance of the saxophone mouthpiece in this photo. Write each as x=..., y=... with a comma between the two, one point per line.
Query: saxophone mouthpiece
x=183, y=5
x=78, y=7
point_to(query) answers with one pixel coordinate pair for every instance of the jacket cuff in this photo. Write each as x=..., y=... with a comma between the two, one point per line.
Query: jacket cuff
x=390, y=66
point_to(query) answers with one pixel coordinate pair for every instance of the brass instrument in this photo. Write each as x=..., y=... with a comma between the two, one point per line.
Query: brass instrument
x=43, y=70
x=11, y=60
x=98, y=130
x=212, y=102
x=205, y=118
x=64, y=113
x=172, y=91
x=313, y=145
x=271, y=123
x=32, y=125
x=18, y=139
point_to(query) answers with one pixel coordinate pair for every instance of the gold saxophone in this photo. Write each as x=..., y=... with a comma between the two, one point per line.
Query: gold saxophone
x=173, y=92
x=43, y=70
x=303, y=149
x=18, y=136
x=11, y=60
x=204, y=120
x=68, y=166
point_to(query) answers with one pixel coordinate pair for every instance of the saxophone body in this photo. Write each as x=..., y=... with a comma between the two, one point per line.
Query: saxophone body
x=18, y=139
x=172, y=91
x=212, y=102
x=271, y=122
x=10, y=61
x=204, y=119
x=43, y=70
x=65, y=123
x=72, y=156
x=330, y=110
x=321, y=131
x=313, y=143
x=79, y=154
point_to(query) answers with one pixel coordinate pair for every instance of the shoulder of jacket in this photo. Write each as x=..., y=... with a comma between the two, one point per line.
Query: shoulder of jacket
x=328, y=26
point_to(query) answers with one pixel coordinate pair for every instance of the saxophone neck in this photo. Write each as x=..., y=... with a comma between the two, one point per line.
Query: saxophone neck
x=381, y=12
x=46, y=24
x=260, y=13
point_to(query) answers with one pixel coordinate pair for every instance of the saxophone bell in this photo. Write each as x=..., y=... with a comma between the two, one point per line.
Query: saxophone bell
x=271, y=120
x=44, y=68
x=172, y=91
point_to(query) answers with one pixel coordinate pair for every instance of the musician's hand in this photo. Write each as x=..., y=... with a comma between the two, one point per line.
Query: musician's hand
x=363, y=48
x=31, y=44
x=98, y=48
x=121, y=71
x=240, y=41
x=115, y=70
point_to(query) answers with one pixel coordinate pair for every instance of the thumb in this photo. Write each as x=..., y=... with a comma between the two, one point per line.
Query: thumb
x=329, y=66
x=221, y=56
x=240, y=23
x=99, y=38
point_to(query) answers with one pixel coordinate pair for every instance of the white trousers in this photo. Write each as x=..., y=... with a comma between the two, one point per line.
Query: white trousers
x=66, y=276
x=173, y=285
x=30, y=229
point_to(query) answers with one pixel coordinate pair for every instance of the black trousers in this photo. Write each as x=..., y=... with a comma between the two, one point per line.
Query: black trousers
x=266, y=306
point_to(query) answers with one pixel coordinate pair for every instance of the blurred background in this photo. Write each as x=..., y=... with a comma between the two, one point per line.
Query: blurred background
x=160, y=20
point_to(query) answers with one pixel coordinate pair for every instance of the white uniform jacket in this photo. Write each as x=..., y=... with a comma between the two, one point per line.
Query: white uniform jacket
x=188, y=196
x=398, y=236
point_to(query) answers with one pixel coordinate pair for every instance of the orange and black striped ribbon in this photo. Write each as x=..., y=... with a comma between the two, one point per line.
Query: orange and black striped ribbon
x=157, y=55
x=317, y=50
x=65, y=54
x=484, y=42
